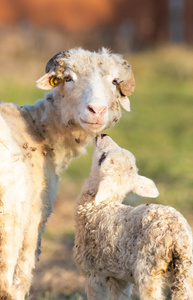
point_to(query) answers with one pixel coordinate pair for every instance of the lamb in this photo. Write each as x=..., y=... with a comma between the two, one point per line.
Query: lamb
x=38, y=141
x=117, y=245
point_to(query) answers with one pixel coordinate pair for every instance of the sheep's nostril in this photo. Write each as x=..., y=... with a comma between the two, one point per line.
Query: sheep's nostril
x=99, y=110
x=91, y=109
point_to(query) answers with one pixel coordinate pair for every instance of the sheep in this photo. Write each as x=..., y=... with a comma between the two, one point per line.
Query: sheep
x=38, y=141
x=117, y=245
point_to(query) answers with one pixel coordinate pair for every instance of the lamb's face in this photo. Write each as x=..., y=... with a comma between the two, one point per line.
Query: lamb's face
x=115, y=173
x=110, y=160
x=90, y=87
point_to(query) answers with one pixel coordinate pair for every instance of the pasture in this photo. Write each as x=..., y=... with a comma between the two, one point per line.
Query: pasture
x=158, y=131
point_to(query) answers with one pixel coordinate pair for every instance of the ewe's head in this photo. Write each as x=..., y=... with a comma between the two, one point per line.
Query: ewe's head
x=116, y=173
x=89, y=87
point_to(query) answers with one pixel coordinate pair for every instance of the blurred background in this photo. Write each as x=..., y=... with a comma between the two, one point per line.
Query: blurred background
x=156, y=37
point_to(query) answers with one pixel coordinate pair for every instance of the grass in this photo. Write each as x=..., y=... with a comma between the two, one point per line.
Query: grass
x=158, y=131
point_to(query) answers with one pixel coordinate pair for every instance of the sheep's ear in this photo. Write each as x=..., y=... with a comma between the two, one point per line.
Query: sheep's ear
x=48, y=81
x=127, y=84
x=145, y=187
x=125, y=103
x=105, y=191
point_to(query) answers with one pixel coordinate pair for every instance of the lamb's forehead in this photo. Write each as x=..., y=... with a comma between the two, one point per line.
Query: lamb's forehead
x=123, y=155
x=84, y=61
x=119, y=161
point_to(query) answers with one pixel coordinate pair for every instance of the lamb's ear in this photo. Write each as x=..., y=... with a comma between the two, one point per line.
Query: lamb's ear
x=145, y=187
x=125, y=103
x=105, y=190
x=48, y=81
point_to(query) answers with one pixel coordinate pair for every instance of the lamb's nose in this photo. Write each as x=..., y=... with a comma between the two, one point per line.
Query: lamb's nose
x=98, y=110
x=103, y=135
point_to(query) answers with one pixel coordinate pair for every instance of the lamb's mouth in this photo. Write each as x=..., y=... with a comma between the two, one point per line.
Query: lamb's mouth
x=92, y=125
x=99, y=137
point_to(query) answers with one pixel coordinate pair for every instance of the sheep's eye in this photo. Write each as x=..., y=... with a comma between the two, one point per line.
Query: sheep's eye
x=115, y=81
x=54, y=81
x=68, y=78
x=102, y=158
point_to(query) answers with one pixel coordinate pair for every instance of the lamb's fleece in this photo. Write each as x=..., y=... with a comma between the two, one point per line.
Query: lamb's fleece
x=117, y=245
x=37, y=141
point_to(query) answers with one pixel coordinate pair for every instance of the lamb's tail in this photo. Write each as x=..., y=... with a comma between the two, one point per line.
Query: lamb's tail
x=182, y=281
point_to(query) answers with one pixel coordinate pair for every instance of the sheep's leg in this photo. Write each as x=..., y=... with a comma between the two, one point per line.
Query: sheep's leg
x=11, y=238
x=27, y=258
x=97, y=288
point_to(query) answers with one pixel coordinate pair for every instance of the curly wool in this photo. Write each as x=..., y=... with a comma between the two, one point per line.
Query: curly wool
x=117, y=245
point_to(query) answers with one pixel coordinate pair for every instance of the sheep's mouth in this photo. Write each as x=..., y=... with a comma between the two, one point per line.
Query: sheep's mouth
x=91, y=125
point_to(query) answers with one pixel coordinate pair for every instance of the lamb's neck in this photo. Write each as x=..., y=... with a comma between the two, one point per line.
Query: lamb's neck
x=66, y=140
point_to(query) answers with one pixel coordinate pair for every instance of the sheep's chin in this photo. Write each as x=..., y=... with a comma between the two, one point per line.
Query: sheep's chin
x=92, y=127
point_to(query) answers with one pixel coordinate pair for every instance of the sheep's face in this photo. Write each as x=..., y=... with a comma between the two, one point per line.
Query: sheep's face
x=90, y=87
x=116, y=172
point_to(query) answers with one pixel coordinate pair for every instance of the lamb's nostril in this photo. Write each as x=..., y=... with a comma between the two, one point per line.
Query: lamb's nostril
x=99, y=110
x=103, y=135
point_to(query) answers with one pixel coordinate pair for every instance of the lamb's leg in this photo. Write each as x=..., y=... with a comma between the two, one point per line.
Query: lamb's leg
x=97, y=288
x=150, y=284
x=151, y=289
x=120, y=290
x=182, y=287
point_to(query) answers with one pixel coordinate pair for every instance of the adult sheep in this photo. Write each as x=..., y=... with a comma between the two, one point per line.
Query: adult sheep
x=38, y=140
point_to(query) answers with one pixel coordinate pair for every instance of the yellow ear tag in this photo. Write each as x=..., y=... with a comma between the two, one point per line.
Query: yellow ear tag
x=53, y=81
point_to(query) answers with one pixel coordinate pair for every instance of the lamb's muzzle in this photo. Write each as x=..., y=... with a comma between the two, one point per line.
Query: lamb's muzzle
x=100, y=136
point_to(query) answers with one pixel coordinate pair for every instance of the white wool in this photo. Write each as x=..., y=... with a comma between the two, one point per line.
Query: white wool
x=37, y=141
x=118, y=245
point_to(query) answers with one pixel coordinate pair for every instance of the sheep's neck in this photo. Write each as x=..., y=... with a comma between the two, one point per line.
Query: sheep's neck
x=66, y=140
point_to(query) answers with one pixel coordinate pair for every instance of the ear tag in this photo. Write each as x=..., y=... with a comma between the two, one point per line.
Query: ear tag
x=54, y=81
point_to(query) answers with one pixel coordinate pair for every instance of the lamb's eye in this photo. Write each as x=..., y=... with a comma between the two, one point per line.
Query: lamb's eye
x=68, y=78
x=54, y=81
x=115, y=81
x=102, y=158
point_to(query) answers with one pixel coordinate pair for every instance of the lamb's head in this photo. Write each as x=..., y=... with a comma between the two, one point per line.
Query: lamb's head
x=89, y=87
x=115, y=172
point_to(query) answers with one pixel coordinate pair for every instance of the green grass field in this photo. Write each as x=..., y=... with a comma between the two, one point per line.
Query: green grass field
x=158, y=131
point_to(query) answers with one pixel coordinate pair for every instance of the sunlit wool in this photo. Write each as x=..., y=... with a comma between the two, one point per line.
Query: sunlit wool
x=118, y=245
x=38, y=141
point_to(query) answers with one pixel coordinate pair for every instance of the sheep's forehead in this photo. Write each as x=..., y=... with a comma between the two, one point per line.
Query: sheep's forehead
x=85, y=62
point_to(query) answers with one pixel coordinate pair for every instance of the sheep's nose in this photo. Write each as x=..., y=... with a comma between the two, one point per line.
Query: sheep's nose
x=99, y=110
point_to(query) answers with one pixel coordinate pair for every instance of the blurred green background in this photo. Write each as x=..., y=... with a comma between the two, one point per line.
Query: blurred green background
x=156, y=37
